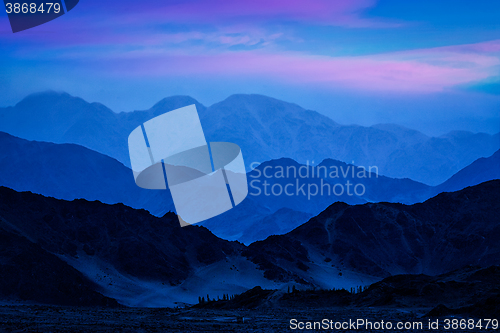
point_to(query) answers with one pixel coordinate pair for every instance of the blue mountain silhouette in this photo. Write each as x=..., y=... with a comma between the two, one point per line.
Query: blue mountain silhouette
x=265, y=128
x=69, y=171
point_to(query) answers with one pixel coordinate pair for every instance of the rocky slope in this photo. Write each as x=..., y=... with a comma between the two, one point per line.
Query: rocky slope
x=142, y=260
x=444, y=233
x=31, y=274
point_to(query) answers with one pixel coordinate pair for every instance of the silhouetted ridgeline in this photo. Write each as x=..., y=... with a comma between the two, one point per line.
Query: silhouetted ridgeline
x=76, y=252
x=69, y=171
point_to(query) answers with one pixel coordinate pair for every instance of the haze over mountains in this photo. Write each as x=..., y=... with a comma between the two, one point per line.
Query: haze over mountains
x=138, y=259
x=265, y=129
x=479, y=171
x=69, y=171
x=252, y=221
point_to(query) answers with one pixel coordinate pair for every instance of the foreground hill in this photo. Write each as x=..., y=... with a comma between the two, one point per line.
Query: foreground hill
x=128, y=254
x=142, y=260
x=465, y=291
x=441, y=234
x=31, y=274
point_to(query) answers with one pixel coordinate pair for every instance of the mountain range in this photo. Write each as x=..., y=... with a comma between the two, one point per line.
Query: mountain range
x=265, y=128
x=137, y=259
x=443, y=233
x=415, y=205
x=70, y=171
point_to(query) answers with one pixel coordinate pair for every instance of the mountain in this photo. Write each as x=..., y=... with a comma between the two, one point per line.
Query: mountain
x=61, y=118
x=439, y=235
x=69, y=171
x=283, y=194
x=481, y=170
x=31, y=274
x=142, y=260
x=277, y=223
x=128, y=254
x=264, y=127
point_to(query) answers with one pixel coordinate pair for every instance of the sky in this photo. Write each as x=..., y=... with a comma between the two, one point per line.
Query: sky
x=429, y=65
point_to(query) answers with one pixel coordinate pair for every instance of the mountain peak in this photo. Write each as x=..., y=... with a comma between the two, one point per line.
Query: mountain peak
x=175, y=102
x=45, y=97
x=257, y=101
x=256, y=98
x=267, y=109
x=479, y=171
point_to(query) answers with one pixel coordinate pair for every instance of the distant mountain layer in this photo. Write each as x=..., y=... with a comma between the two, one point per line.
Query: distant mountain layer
x=283, y=194
x=479, y=171
x=280, y=200
x=267, y=128
x=69, y=171
x=142, y=260
x=264, y=127
x=61, y=118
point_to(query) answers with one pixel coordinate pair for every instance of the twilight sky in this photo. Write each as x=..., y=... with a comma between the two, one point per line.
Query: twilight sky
x=430, y=65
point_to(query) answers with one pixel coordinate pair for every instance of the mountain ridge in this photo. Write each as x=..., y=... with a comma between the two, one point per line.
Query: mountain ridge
x=446, y=232
x=264, y=127
x=69, y=171
x=142, y=260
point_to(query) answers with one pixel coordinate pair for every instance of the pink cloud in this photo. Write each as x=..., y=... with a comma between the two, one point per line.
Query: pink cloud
x=492, y=46
x=424, y=70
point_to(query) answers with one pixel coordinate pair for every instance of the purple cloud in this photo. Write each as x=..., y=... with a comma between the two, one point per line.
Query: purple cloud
x=424, y=70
